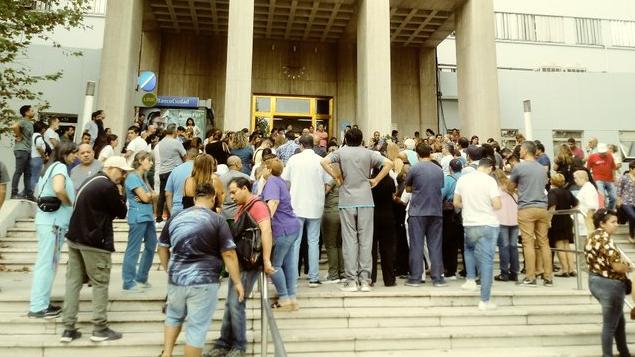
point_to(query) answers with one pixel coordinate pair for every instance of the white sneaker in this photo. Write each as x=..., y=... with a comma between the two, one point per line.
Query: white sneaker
x=160, y=225
x=134, y=290
x=145, y=285
x=349, y=286
x=469, y=285
x=486, y=305
x=365, y=287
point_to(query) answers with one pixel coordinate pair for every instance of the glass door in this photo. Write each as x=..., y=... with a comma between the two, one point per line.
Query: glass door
x=279, y=112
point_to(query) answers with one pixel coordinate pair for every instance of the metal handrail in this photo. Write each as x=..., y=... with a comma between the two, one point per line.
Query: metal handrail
x=576, y=241
x=268, y=323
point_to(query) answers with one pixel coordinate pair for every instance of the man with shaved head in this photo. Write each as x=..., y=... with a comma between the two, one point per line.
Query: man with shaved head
x=234, y=164
x=87, y=167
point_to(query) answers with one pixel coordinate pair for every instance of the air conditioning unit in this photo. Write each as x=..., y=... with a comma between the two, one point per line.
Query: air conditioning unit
x=549, y=69
x=575, y=69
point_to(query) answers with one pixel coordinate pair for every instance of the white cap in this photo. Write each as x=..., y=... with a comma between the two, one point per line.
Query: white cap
x=118, y=162
x=410, y=144
x=603, y=148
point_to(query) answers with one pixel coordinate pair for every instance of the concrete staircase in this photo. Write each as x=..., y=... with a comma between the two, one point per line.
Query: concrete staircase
x=396, y=321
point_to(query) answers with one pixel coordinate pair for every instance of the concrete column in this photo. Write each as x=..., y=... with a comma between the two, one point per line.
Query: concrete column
x=428, y=90
x=239, y=61
x=373, y=67
x=119, y=64
x=345, y=102
x=150, y=52
x=479, y=109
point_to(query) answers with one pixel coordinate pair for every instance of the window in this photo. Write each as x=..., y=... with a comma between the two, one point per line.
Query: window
x=622, y=33
x=588, y=31
x=293, y=105
x=520, y=27
x=627, y=144
x=525, y=27
x=549, y=29
x=562, y=136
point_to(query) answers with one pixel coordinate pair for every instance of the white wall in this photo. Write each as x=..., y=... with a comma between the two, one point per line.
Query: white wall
x=601, y=104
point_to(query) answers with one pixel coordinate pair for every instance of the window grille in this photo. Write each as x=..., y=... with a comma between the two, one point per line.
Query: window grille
x=588, y=31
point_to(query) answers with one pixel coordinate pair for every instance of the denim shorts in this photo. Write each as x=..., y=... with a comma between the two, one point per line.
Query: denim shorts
x=194, y=304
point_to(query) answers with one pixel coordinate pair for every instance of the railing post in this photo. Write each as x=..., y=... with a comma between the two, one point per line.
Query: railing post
x=263, y=314
x=576, y=241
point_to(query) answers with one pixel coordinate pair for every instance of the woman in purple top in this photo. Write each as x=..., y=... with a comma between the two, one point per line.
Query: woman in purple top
x=286, y=234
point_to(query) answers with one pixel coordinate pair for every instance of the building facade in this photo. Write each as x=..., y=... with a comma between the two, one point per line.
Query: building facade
x=574, y=60
x=337, y=62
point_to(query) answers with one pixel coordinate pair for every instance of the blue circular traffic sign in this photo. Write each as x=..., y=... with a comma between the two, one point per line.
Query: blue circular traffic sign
x=147, y=81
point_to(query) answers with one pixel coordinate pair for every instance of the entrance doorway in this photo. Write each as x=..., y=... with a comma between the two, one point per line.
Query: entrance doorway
x=299, y=112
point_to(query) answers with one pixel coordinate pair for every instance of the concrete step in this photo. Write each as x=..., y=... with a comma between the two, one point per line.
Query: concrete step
x=334, y=341
x=327, y=318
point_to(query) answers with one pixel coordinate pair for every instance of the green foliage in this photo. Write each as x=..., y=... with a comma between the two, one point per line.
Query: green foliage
x=22, y=21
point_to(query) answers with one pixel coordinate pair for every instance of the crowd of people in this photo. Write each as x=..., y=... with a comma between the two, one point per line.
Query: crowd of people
x=414, y=204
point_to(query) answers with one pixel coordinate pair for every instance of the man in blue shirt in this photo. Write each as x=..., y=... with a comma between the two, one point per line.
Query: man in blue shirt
x=425, y=181
x=286, y=150
x=176, y=182
x=452, y=224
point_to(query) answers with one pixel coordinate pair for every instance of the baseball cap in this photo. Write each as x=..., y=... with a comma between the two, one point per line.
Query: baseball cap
x=603, y=148
x=410, y=144
x=118, y=162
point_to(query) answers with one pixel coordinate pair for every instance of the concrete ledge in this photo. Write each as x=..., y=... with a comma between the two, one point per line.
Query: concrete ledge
x=13, y=210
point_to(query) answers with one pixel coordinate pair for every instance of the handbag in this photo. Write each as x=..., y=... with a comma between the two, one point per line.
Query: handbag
x=48, y=203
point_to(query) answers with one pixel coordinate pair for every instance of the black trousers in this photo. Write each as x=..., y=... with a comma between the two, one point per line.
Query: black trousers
x=384, y=243
x=163, y=180
x=453, y=238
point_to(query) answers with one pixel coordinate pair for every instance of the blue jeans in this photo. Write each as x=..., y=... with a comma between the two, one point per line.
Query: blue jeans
x=142, y=231
x=508, y=250
x=36, y=167
x=233, y=332
x=22, y=167
x=49, y=248
x=196, y=303
x=285, y=262
x=608, y=189
x=610, y=294
x=313, y=240
x=480, y=247
x=428, y=228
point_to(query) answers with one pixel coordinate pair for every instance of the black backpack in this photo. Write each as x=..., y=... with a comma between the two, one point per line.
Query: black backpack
x=248, y=239
x=47, y=148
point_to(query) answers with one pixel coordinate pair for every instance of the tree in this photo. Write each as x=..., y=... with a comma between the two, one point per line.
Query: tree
x=22, y=21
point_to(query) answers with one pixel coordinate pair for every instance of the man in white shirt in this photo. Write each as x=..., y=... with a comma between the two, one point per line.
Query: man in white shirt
x=481, y=226
x=136, y=144
x=308, y=179
x=50, y=135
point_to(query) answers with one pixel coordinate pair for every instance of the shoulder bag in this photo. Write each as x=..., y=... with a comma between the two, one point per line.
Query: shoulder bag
x=48, y=203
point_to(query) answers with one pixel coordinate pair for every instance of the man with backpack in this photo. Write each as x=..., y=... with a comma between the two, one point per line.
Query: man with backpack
x=40, y=151
x=252, y=216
